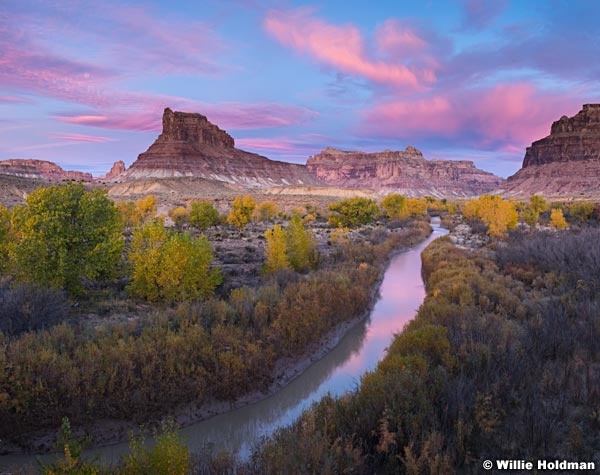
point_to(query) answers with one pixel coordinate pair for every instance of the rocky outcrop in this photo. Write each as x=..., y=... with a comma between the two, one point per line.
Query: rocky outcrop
x=190, y=145
x=116, y=170
x=406, y=172
x=41, y=169
x=571, y=139
x=566, y=162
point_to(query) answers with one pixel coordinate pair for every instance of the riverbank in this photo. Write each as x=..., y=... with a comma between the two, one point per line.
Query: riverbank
x=287, y=370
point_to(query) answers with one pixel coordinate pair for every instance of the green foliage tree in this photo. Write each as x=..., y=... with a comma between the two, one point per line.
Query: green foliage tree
x=276, y=258
x=67, y=234
x=5, y=228
x=497, y=214
x=170, y=267
x=582, y=211
x=530, y=213
x=203, y=215
x=394, y=206
x=353, y=212
x=169, y=455
x=538, y=204
x=241, y=211
x=71, y=462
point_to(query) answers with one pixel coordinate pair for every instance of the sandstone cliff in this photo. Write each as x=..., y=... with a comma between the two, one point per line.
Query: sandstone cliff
x=40, y=169
x=117, y=169
x=190, y=145
x=406, y=172
x=566, y=162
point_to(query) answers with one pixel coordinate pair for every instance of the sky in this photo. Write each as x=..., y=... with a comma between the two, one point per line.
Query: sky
x=84, y=83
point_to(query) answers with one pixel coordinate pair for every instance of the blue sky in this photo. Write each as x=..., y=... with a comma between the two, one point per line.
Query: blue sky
x=84, y=83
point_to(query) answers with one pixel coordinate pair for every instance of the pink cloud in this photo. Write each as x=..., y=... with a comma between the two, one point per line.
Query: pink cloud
x=40, y=50
x=503, y=117
x=431, y=115
x=276, y=144
x=142, y=122
x=80, y=138
x=341, y=47
x=393, y=36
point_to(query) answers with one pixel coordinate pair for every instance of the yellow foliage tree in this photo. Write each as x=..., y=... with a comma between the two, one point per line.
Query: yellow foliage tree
x=241, y=211
x=136, y=213
x=497, y=214
x=170, y=267
x=294, y=247
x=301, y=245
x=416, y=206
x=179, y=216
x=394, y=206
x=276, y=258
x=146, y=208
x=557, y=219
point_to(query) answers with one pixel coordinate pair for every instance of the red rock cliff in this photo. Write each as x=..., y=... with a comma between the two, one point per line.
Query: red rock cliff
x=28, y=168
x=566, y=162
x=404, y=172
x=190, y=145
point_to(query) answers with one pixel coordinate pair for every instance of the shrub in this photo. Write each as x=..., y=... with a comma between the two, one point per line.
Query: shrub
x=28, y=307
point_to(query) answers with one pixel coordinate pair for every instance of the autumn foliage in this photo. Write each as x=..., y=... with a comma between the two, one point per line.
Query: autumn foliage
x=169, y=266
x=497, y=214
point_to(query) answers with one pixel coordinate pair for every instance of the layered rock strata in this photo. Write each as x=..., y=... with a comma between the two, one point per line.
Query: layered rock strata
x=40, y=169
x=566, y=162
x=406, y=172
x=190, y=145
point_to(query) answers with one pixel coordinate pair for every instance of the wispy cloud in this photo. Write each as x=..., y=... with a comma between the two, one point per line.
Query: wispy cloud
x=14, y=100
x=80, y=138
x=232, y=115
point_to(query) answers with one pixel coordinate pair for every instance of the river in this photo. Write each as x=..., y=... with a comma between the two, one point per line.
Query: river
x=339, y=371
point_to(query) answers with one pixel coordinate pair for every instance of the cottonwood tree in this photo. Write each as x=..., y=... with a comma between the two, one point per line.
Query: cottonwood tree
x=241, y=211
x=394, y=206
x=301, y=245
x=65, y=235
x=276, y=258
x=294, y=247
x=170, y=267
x=497, y=214
x=203, y=215
x=557, y=219
x=353, y=212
